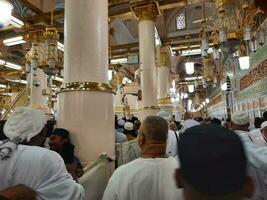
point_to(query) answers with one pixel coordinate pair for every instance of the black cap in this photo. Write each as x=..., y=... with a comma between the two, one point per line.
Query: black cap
x=61, y=132
x=213, y=160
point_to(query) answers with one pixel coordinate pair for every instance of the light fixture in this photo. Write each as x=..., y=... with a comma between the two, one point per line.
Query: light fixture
x=185, y=95
x=11, y=65
x=244, y=62
x=14, y=41
x=19, y=81
x=2, y=86
x=126, y=80
x=2, y=62
x=193, y=78
x=16, y=22
x=110, y=75
x=5, y=13
x=191, y=88
x=224, y=86
x=190, y=68
x=119, y=61
x=204, y=103
x=207, y=100
x=193, y=52
x=58, y=79
x=60, y=46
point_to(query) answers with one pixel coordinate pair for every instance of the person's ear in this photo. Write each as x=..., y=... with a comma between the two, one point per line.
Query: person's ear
x=179, y=178
x=249, y=187
x=141, y=140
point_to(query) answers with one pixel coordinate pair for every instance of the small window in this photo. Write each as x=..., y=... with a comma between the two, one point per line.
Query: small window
x=180, y=21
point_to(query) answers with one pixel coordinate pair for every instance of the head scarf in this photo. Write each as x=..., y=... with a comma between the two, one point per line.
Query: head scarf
x=23, y=124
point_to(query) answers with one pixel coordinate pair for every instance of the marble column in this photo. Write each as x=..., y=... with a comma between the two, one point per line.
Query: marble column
x=38, y=98
x=86, y=99
x=146, y=15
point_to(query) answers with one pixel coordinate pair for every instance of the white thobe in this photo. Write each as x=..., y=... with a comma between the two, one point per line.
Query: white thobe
x=172, y=144
x=144, y=179
x=261, y=141
x=257, y=166
x=41, y=170
x=254, y=134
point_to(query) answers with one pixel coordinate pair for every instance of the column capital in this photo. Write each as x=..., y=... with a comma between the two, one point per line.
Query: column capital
x=145, y=10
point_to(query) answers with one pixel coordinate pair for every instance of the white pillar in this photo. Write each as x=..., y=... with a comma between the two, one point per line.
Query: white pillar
x=146, y=15
x=86, y=100
x=37, y=97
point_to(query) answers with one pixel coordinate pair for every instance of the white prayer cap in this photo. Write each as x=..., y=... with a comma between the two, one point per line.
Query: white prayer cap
x=25, y=122
x=129, y=126
x=263, y=125
x=189, y=123
x=121, y=122
x=165, y=115
x=240, y=118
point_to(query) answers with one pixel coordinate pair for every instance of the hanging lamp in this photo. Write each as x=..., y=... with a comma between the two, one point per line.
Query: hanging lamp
x=189, y=65
x=5, y=13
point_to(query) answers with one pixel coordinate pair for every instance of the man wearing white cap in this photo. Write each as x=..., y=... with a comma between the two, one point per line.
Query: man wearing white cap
x=256, y=155
x=262, y=140
x=37, y=168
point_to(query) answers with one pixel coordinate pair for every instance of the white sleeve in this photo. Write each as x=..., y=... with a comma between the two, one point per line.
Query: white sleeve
x=110, y=191
x=55, y=182
x=256, y=154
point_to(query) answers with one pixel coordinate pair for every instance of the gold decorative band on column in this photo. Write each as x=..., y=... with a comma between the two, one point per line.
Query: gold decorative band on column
x=151, y=107
x=86, y=86
x=164, y=101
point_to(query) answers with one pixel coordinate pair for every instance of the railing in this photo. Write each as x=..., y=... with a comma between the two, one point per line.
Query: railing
x=95, y=178
x=15, y=102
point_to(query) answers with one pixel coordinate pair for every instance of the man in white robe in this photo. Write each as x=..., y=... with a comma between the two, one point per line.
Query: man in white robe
x=39, y=169
x=150, y=177
x=256, y=155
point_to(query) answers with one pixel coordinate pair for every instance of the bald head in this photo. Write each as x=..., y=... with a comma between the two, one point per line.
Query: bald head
x=155, y=128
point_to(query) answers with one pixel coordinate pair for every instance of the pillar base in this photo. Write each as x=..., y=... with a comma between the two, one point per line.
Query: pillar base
x=89, y=116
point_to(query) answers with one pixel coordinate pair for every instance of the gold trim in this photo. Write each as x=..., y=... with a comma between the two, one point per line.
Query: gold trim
x=164, y=101
x=146, y=10
x=86, y=86
x=235, y=35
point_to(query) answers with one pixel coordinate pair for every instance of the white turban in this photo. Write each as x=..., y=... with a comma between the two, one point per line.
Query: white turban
x=240, y=118
x=165, y=115
x=25, y=123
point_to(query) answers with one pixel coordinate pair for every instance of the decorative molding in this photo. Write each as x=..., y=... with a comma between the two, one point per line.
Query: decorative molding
x=253, y=76
x=86, y=86
x=145, y=10
x=151, y=108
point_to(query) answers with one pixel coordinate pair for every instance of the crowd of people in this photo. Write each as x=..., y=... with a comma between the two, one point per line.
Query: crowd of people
x=196, y=159
x=212, y=159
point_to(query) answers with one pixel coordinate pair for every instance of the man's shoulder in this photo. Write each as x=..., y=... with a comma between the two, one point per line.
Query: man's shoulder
x=34, y=153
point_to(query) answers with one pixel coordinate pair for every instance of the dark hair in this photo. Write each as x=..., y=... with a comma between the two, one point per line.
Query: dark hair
x=258, y=121
x=216, y=121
